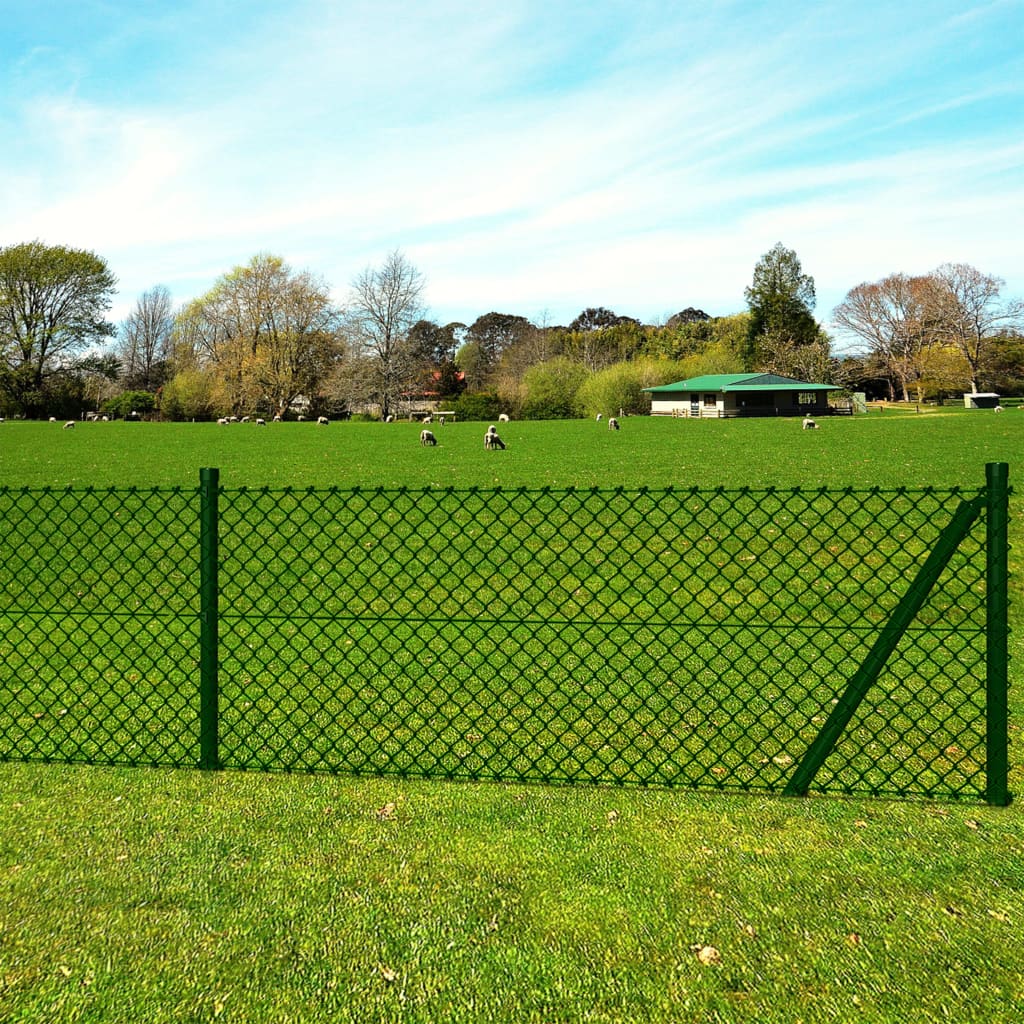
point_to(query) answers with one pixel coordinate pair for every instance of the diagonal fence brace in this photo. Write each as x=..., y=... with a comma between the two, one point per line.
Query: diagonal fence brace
x=904, y=613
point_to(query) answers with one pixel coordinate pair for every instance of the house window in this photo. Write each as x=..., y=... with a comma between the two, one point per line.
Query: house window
x=710, y=400
x=806, y=398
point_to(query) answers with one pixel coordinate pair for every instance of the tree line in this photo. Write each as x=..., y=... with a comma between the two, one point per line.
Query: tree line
x=267, y=339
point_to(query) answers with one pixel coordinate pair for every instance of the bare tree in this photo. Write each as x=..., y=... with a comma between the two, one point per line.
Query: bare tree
x=144, y=347
x=894, y=317
x=384, y=305
x=968, y=312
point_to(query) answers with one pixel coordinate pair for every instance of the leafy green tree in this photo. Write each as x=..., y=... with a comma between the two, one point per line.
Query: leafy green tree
x=492, y=334
x=188, y=396
x=621, y=387
x=781, y=302
x=551, y=389
x=597, y=319
x=130, y=403
x=52, y=305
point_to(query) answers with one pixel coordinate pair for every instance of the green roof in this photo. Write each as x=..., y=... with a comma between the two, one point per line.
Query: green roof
x=741, y=382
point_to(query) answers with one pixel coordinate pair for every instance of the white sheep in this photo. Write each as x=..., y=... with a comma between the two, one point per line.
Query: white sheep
x=440, y=419
x=70, y=425
x=300, y=419
x=277, y=419
x=427, y=420
x=491, y=439
x=389, y=419
x=106, y=419
x=322, y=421
x=222, y=422
x=998, y=408
x=599, y=417
x=809, y=424
x=53, y=419
x=427, y=437
x=503, y=418
x=260, y=421
x=613, y=423
x=245, y=419
x=233, y=419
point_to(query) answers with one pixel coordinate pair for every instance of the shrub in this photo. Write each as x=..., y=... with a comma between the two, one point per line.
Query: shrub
x=482, y=405
x=551, y=388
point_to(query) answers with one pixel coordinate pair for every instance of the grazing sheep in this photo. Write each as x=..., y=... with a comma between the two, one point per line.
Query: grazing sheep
x=599, y=417
x=70, y=425
x=427, y=420
x=441, y=418
x=245, y=419
x=809, y=424
x=613, y=423
x=277, y=419
x=389, y=419
x=105, y=419
x=427, y=437
x=53, y=419
x=322, y=421
x=503, y=418
x=232, y=419
x=300, y=419
x=222, y=422
x=998, y=408
x=260, y=422
x=491, y=439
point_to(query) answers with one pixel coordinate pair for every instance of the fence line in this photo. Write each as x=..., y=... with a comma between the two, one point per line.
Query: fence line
x=623, y=636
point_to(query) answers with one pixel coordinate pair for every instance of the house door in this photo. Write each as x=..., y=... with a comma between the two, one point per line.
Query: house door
x=695, y=406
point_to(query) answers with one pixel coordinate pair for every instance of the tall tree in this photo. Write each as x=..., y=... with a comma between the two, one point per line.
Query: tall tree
x=895, y=317
x=265, y=332
x=488, y=337
x=52, y=305
x=384, y=305
x=781, y=302
x=968, y=312
x=144, y=346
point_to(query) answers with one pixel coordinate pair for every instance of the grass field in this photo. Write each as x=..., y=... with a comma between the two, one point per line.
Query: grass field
x=152, y=895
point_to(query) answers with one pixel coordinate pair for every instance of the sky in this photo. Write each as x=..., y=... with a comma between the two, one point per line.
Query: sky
x=533, y=157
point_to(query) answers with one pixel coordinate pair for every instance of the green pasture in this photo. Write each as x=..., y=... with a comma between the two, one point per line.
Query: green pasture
x=157, y=894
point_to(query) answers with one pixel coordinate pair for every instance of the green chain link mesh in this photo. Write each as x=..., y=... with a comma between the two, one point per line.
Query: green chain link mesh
x=669, y=637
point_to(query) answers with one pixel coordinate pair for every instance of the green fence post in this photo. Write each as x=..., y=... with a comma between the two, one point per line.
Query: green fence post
x=889, y=637
x=209, y=487
x=997, y=630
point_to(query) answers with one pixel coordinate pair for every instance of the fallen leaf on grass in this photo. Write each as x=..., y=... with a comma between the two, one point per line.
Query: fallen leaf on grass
x=860, y=824
x=853, y=939
x=952, y=911
x=388, y=974
x=707, y=955
x=386, y=813
x=613, y=816
x=971, y=823
x=999, y=915
x=749, y=929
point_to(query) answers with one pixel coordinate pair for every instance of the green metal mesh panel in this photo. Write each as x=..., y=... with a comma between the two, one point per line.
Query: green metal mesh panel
x=98, y=627
x=646, y=636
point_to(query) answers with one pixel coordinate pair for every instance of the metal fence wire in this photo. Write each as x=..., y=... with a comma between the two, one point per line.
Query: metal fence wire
x=836, y=640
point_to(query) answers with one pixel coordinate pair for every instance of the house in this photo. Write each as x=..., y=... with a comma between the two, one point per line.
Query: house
x=721, y=395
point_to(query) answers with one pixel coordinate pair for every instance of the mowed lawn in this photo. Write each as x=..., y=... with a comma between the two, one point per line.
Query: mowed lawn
x=153, y=895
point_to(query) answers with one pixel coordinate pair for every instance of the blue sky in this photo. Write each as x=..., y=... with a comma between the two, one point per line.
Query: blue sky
x=528, y=157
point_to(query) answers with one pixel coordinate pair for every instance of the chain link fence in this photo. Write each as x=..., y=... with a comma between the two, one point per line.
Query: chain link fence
x=840, y=640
